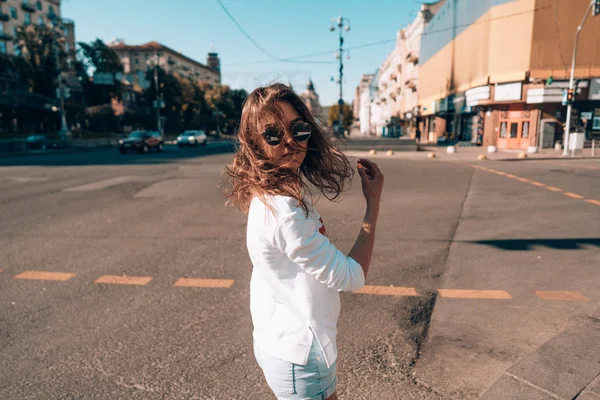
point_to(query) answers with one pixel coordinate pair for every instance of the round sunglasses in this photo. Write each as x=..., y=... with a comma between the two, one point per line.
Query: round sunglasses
x=301, y=132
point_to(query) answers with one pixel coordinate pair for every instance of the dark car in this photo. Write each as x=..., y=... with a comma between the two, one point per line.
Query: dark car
x=141, y=141
x=41, y=142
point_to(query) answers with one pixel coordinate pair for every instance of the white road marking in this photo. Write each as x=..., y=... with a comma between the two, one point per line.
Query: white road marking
x=101, y=184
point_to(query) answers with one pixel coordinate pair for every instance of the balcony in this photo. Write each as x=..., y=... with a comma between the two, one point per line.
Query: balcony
x=5, y=36
x=30, y=8
x=412, y=58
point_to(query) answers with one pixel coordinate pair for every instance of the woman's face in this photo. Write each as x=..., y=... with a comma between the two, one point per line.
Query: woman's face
x=289, y=153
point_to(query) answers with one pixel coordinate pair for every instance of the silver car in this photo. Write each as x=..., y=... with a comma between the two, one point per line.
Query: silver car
x=191, y=138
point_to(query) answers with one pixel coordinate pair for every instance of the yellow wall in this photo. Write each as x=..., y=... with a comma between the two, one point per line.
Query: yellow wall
x=554, y=32
x=496, y=48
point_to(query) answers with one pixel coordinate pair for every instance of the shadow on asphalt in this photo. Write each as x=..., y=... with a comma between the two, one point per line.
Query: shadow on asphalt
x=530, y=244
x=111, y=156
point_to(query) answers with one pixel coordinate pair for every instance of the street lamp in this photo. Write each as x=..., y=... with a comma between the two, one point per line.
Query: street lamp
x=341, y=23
x=157, y=103
x=595, y=5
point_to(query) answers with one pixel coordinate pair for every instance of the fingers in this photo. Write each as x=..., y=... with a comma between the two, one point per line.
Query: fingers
x=361, y=171
x=372, y=167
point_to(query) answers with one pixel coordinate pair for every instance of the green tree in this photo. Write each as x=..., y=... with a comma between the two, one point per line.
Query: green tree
x=98, y=57
x=333, y=115
x=43, y=57
x=171, y=93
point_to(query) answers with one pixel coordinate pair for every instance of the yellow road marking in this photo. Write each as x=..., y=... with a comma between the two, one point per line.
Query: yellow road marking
x=524, y=180
x=511, y=176
x=204, y=283
x=554, y=189
x=574, y=195
x=561, y=295
x=537, y=183
x=474, y=294
x=387, y=290
x=44, y=276
x=596, y=202
x=124, y=280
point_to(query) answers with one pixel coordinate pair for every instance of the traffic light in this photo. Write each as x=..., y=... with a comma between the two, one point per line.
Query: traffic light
x=596, y=7
x=570, y=96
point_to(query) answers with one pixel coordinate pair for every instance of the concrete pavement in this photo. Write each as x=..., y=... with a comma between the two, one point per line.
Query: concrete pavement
x=128, y=229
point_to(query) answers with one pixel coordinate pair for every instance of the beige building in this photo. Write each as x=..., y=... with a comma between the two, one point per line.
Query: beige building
x=311, y=99
x=18, y=13
x=137, y=59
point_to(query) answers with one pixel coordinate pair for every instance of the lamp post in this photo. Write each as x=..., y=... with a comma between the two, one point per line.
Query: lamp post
x=157, y=103
x=64, y=132
x=340, y=25
x=594, y=4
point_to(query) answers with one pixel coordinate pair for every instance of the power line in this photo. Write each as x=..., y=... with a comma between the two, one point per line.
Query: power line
x=380, y=42
x=259, y=46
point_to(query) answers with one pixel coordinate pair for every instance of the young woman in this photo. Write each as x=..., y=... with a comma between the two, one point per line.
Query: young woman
x=283, y=156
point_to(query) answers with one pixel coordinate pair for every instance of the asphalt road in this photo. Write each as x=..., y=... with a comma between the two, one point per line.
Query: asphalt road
x=114, y=235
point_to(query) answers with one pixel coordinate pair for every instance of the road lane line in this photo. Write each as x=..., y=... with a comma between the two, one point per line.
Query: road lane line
x=561, y=295
x=106, y=183
x=575, y=165
x=574, y=195
x=45, y=276
x=596, y=202
x=204, y=283
x=124, y=280
x=554, y=189
x=534, y=183
x=387, y=290
x=474, y=294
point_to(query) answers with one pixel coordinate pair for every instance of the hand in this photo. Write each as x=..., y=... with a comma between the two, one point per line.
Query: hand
x=372, y=180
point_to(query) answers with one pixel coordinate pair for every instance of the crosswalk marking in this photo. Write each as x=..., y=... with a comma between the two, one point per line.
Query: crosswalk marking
x=44, y=276
x=387, y=290
x=574, y=195
x=204, y=283
x=106, y=183
x=560, y=295
x=474, y=294
x=124, y=280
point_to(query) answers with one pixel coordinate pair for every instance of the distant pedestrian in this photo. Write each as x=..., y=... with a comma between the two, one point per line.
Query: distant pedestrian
x=418, y=134
x=283, y=156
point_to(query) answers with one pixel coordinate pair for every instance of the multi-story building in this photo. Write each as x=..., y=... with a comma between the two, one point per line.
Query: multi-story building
x=362, y=103
x=494, y=71
x=138, y=59
x=19, y=13
x=386, y=97
x=409, y=42
x=311, y=99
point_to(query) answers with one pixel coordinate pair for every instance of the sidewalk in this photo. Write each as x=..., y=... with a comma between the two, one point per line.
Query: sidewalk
x=472, y=153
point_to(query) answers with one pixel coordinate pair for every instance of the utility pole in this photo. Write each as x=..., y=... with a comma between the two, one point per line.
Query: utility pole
x=571, y=93
x=64, y=133
x=340, y=24
x=158, y=102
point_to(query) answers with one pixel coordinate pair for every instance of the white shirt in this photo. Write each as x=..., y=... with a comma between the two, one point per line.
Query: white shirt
x=295, y=281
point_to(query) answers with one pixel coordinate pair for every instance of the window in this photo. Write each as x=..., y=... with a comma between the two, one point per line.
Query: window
x=15, y=31
x=17, y=50
x=503, y=126
x=13, y=12
x=39, y=5
x=27, y=19
x=596, y=124
x=25, y=2
x=525, y=130
x=66, y=30
x=514, y=130
x=67, y=47
x=137, y=61
x=2, y=47
x=1, y=28
x=41, y=20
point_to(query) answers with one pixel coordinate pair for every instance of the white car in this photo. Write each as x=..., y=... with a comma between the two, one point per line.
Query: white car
x=191, y=138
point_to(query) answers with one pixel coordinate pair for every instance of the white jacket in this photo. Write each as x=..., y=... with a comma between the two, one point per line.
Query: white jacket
x=295, y=280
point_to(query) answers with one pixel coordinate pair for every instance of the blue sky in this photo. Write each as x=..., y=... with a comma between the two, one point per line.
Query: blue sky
x=284, y=28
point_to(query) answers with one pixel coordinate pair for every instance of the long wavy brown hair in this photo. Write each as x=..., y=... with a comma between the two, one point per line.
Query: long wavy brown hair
x=252, y=173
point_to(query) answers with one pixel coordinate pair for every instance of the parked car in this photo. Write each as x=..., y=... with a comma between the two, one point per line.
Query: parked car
x=41, y=142
x=191, y=138
x=141, y=141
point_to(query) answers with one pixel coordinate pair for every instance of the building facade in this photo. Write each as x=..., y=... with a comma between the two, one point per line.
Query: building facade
x=138, y=59
x=19, y=13
x=311, y=99
x=493, y=72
